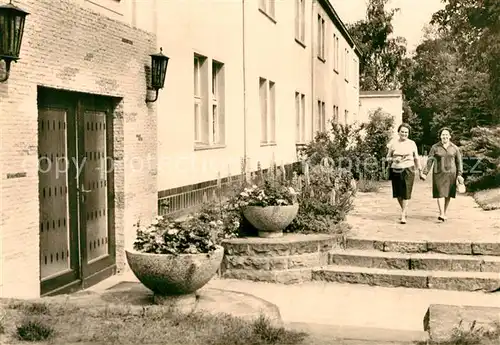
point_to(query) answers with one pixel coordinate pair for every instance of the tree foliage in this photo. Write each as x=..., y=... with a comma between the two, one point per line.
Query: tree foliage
x=382, y=55
x=473, y=26
x=454, y=78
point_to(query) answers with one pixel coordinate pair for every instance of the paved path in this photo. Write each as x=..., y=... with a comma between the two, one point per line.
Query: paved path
x=376, y=216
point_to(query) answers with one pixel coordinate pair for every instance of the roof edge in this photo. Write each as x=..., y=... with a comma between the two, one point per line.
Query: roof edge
x=328, y=7
x=381, y=93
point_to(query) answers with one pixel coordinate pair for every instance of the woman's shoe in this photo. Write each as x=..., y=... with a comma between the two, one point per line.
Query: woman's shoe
x=442, y=218
x=403, y=220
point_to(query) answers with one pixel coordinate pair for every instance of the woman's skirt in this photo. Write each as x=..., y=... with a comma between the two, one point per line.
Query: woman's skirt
x=402, y=182
x=444, y=184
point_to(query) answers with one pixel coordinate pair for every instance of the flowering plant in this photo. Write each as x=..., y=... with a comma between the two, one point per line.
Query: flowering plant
x=197, y=233
x=268, y=194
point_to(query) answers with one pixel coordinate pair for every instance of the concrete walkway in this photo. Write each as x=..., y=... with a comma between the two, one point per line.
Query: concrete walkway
x=376, y=216
x=347, y=311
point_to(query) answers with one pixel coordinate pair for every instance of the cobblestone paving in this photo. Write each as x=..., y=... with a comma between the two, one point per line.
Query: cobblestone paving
x=376, y=216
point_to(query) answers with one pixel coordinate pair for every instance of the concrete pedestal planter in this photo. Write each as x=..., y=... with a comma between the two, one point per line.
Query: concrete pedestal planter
x=174, y=275
x=270, y=220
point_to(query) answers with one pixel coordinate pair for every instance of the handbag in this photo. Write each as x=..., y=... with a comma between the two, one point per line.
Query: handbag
x=460, y=187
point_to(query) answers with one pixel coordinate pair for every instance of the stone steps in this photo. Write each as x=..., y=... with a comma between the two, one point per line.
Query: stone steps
x=414, y=261
x=461, y=266
x=292, y=259
x=457, y=248
x=421, y=279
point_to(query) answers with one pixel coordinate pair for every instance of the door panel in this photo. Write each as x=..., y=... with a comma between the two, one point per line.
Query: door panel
x=96, y=221
x=95, y=184
x=53, y=194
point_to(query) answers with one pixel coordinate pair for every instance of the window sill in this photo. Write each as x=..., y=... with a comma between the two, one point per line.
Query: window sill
x=267, y=144
x=300, y=144
x=267, y=15
x=203, y=147
x=321, y=59
x=300, y=43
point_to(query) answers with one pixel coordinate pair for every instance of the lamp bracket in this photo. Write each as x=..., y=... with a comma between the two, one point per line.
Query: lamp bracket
x=154, y=100
x=7, y=69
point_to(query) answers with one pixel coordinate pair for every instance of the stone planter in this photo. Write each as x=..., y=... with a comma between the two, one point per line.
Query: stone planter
x=270, y=220
x=174, y=275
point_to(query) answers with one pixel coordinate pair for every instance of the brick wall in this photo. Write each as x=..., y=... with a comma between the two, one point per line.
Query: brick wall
x=69, y=47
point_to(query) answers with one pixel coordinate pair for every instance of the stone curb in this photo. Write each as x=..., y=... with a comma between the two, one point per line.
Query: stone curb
x=441, y=320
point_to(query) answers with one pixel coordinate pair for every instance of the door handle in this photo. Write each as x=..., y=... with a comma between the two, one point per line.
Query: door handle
x=83, y=190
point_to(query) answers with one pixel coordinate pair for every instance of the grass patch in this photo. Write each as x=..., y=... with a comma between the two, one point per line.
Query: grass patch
x=368, y=186
x=488, y=199
x=34, y=329
x=474, y=335
x=60, y=322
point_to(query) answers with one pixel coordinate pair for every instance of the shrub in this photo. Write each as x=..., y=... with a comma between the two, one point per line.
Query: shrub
x=378, y=133
x=33, y=329
x=325, y=199
x=482, y=158
x=359, y=149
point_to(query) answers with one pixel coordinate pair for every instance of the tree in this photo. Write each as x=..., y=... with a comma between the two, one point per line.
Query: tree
x=428, y=85
x=382, y=55
x=474, y=27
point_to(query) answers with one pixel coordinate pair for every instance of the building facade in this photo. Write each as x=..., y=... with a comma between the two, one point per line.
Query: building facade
x=84, y=157
x=73, y=120
x=248, y=81
x=390, y=102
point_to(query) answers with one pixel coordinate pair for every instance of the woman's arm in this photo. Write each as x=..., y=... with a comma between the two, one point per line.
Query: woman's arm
x=458, y=162
x=390, y=151
x=416, y=157
x=430, y=160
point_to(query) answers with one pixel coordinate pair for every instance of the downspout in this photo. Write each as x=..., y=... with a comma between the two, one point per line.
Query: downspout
x=245, y=157
x=312, y=68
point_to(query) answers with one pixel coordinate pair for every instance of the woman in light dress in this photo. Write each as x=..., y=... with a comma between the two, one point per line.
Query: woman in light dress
x=403, y=158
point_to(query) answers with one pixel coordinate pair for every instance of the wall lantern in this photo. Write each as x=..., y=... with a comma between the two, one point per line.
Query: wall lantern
x=159, y=64
x=11, y=34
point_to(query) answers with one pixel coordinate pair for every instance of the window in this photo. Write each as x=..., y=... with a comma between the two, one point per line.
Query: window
x=267, y=95
x=346, y=65
x=200, y=101
x=300, y=118
x=346, y=116
x=267, y=7
x=321, y=38
x=335, y=114
x=335, y=53
x=300, y=23
x=320, y=123
x=217, y=102
x=208, y=111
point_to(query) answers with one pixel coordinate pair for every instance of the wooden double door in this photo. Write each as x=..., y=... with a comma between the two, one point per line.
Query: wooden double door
x=75, y=170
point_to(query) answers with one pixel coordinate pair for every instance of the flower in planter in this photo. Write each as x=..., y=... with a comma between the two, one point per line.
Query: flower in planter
x=199, y=232
x=270, y=193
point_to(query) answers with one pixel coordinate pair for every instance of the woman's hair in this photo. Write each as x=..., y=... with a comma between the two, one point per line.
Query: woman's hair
x=405, y=125
x=442, y=130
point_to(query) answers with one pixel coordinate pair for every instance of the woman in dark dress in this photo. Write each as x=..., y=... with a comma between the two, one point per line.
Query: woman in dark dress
x=447, y=160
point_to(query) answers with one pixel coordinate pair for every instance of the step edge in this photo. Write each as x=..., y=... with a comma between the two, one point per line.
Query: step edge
x=399, y=272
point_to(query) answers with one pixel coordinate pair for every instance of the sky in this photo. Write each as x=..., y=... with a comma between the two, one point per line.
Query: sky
x=408, y=22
